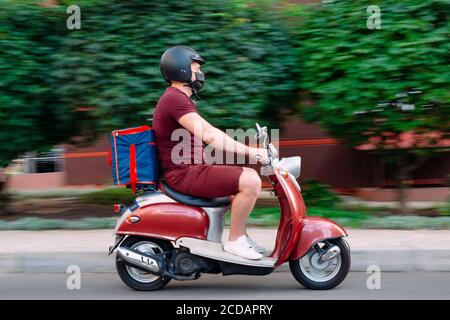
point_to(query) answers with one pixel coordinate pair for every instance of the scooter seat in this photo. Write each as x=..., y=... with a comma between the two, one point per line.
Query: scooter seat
x=192, y=200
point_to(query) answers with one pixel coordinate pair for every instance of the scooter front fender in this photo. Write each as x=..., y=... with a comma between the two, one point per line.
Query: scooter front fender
x=314, y=230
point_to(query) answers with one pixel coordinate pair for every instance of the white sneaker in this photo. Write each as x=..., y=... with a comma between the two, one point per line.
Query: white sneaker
x=256, y=246
x=240, y=247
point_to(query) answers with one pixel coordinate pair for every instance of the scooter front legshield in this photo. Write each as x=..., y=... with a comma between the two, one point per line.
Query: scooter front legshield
x=314, y=230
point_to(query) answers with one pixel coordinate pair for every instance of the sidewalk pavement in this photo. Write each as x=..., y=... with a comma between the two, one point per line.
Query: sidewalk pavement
x=54, y=251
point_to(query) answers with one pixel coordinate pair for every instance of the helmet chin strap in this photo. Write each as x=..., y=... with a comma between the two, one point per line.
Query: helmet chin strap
x=191, y=85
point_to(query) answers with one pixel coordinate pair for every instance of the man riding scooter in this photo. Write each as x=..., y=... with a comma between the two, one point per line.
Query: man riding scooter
x=176, y=232
x=189, y=174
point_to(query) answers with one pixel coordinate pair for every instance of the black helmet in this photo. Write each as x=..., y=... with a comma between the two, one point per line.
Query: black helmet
x=176, y=63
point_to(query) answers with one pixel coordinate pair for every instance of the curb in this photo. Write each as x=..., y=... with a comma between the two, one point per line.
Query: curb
x=99, y=262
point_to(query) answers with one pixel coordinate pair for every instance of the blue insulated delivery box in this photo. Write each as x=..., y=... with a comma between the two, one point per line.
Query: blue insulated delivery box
x=133, y=156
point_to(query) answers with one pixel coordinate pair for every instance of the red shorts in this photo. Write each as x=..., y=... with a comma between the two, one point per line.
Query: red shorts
x=204, y=180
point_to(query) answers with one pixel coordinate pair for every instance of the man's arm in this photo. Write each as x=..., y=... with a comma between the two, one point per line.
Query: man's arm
x=218, y=139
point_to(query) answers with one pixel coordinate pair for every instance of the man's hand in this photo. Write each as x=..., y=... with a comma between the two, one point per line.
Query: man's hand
x=260, y=155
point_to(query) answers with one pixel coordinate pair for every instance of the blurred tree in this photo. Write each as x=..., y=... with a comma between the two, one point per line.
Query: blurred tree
x=386, y=89
x=112, y=63
x=31, y=115
x=59, y=85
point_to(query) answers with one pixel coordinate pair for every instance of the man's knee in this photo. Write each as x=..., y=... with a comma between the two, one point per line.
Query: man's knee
x=250, y=182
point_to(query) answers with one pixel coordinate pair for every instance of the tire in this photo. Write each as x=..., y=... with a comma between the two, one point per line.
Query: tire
x=130, y=276
x=314, y=282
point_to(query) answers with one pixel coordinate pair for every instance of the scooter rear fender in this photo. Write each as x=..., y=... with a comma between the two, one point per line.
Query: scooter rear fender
x=167, y=221
x=314, y=230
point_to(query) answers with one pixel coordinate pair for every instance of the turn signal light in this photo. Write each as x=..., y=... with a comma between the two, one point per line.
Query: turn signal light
x=133, y=219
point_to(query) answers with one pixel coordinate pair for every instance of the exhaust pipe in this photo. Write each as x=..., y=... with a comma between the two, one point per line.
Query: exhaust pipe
x=140, y=260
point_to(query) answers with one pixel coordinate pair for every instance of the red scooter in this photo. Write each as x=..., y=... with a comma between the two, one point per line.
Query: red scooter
x=167, y=235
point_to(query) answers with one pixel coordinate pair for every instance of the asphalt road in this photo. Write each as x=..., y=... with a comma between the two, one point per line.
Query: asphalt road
x=279, y=285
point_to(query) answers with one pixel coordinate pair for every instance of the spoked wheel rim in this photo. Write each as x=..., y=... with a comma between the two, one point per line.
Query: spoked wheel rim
x=140, y=275
x=317, y=271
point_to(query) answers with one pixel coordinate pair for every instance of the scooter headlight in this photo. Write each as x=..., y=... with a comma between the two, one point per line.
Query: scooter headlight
x=292, y=164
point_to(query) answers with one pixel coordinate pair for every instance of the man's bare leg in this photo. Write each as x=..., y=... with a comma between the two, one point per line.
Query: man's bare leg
x=243, y=202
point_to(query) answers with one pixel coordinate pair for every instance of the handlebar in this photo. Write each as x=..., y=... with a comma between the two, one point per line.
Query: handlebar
x=292, y=165
x=261, y=133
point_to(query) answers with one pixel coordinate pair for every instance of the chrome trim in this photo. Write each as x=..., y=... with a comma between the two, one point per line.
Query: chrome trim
x=318, y=271
x=153, y=197
x=137, y=259
x=117, y=242
x=330, y=254
x=272, y=151
x=216, y=222
x=267, y=171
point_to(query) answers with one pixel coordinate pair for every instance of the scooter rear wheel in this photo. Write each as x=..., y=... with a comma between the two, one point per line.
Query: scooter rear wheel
x=136, y=278
x=313, y=274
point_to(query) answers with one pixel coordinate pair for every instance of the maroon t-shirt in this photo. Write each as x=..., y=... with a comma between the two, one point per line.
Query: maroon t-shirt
x=172, y=105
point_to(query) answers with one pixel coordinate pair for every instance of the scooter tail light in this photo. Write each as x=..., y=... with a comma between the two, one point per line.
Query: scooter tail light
x=117, y=207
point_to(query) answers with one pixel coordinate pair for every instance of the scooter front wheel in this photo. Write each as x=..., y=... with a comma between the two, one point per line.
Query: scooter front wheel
x=314, y=273
x=136, y=278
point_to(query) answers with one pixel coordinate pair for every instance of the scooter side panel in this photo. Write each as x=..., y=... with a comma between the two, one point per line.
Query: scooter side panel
x=316, y=229
x=292, y=213
x=167, y=221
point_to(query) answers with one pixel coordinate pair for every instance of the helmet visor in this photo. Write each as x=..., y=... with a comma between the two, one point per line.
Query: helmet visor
x=198, y=58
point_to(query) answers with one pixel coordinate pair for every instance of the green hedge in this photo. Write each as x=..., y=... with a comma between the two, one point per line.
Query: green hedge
x=112, y=64
x=261, y=217
x=347, y=68
x=317, y=194
x=31, y=117
x=113, y=61
x=259, y=54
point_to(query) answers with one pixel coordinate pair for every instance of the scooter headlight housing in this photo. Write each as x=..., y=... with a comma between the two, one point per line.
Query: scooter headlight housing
x=292, y=164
